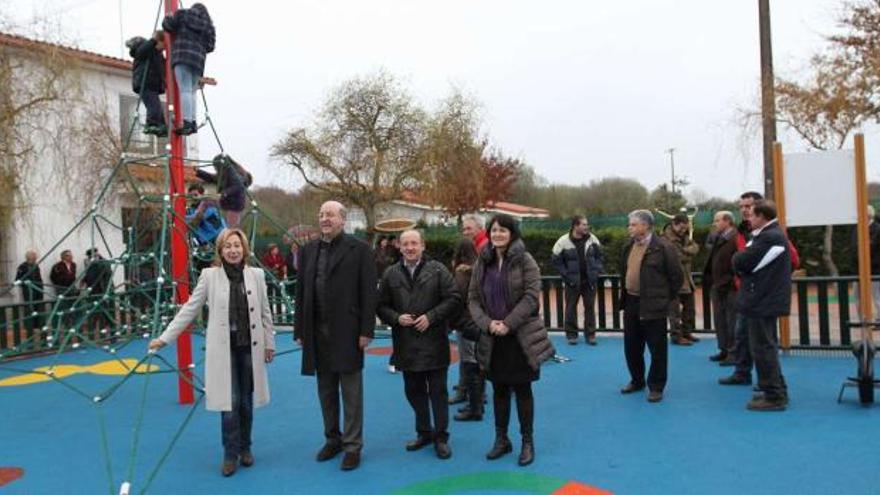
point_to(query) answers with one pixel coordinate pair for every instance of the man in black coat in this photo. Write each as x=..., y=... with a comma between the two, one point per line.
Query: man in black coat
x=652, y=277
x=334, y=323
x=417, y=298
x=718, y=277
x=31, y=281
x=765, y=295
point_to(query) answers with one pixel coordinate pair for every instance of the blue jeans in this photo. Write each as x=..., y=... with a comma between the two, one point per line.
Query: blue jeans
x=187, y=82
x=236, y=424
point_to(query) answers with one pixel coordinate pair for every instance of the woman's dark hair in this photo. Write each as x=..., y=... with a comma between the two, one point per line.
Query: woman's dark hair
x=465, y=253
x=506, y=221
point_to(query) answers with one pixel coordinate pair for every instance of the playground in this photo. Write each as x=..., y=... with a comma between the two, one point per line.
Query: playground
x=589, y=438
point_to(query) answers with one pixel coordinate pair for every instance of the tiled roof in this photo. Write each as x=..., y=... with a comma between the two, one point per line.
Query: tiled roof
x=16, y=41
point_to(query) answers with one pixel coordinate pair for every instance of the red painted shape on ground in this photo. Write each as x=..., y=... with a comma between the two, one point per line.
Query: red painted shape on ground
x=575, y=488
x=386, y=351
x=379, y=351
x=10, y=474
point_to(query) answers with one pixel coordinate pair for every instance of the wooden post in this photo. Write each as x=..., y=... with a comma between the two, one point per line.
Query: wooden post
x=866, y=302
x=779, y=194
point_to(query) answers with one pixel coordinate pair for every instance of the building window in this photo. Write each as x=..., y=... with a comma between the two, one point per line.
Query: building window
x=140, y=143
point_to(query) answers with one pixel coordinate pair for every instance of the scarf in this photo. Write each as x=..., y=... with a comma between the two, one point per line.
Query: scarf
x=239, y=319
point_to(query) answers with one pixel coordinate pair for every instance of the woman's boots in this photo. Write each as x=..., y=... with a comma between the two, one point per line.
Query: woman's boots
x=527, y=455
x=501, y=446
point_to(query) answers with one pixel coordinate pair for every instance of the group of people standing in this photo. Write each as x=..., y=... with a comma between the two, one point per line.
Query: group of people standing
x=491, y=297
x=494, y=304
x=748, y=273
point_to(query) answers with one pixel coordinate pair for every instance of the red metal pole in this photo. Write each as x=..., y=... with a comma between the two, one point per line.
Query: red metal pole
x=179, y=248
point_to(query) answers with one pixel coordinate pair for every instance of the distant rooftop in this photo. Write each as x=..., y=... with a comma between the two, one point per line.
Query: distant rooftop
x=16, y=41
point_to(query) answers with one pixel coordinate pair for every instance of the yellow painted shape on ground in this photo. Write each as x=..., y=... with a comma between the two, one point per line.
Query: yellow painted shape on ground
x=114, y=367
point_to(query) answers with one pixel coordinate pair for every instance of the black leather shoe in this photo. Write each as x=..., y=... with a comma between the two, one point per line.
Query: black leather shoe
x=631, y=388
x=442, y=449
x=718, y=357
x=247, y=459
x=735, y=380
x=328, y=451
x=418, y=443
x=350, y=461
x=655, y=396
x=501, y=446
x=591, y=339
x=693, y=338
x=527, y=455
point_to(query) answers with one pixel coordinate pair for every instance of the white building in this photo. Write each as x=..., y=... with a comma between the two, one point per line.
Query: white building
x=48, y=221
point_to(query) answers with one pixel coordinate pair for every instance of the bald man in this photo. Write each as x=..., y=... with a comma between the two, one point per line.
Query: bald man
x=334, y=323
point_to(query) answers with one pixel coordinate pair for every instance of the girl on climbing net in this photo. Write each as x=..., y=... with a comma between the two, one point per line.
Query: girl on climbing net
x=194, y=38
x=232, y=183
x=238, y=342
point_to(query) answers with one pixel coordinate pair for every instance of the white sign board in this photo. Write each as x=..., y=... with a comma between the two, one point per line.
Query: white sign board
x=820, y=188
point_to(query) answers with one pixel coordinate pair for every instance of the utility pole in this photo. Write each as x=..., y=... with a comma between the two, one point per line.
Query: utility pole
x=671, y=152
x=768, y=97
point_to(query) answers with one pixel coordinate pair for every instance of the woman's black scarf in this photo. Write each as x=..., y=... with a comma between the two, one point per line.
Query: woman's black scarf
x=239, y=319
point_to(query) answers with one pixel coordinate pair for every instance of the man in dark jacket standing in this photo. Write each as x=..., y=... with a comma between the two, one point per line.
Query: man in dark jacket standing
x=682, y=312
x=577, y=256
x=334, y=323
x=652, y=278
x=31, y=281
x=718, y=277
x=63, y=276
x=765, y=295
x=417, y=298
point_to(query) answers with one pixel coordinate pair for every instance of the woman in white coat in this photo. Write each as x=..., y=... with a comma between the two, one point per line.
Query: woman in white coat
x=239, y=341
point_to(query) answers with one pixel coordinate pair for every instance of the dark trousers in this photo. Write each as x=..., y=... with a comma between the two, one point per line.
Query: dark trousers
x=525, y=406
x=236, y=424
x=765, y=352
x=475, y=385
x=683, y=315
x=742, y=348
x=572, y=296
x=155, y=112
x=426, y=393
x=724, y=318
x=352, y=387
x=637, y=333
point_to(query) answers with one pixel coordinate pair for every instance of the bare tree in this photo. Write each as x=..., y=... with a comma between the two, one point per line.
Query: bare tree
x=363, y=147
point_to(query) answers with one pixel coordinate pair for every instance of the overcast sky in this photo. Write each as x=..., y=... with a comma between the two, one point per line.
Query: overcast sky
x=579, y=89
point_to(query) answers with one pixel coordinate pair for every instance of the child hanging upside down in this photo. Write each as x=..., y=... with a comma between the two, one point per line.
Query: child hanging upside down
x=232, y=183
x=148, y=78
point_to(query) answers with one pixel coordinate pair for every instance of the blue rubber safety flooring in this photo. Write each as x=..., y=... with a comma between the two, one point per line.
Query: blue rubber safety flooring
x=699, y=440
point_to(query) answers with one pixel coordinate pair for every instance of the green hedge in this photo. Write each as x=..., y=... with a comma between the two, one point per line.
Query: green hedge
x=441, y=245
